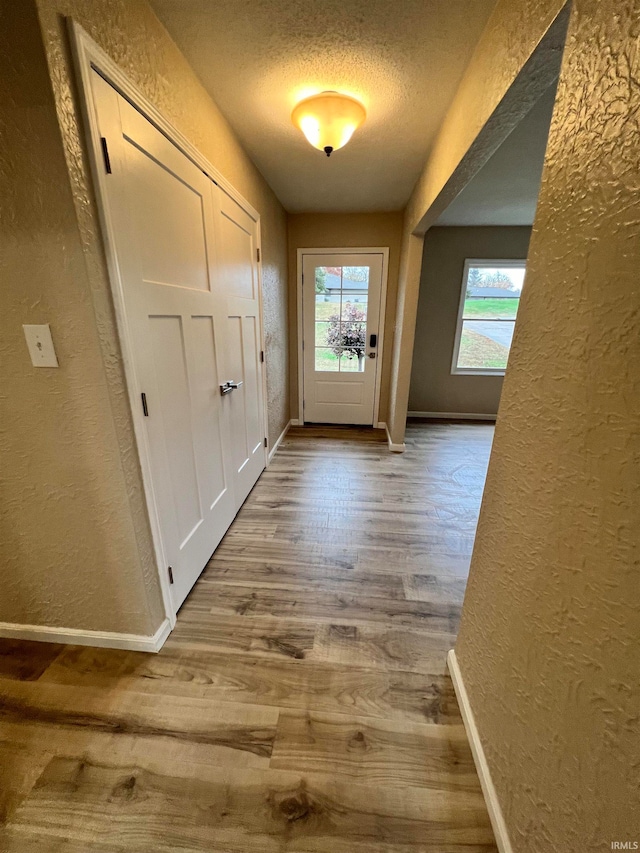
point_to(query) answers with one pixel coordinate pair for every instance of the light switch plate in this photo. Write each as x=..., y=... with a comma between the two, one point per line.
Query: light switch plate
x=40, y=345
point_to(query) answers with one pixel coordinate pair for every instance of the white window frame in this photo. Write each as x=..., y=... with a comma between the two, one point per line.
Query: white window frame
x=490, y=263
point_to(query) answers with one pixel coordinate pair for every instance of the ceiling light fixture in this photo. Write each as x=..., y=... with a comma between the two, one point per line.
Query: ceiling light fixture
x=328, y=120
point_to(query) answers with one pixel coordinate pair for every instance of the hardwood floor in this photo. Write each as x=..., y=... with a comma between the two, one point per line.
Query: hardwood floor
x=302, y=704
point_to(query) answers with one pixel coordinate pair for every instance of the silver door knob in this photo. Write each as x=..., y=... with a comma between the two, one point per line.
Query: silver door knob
x=229, y=386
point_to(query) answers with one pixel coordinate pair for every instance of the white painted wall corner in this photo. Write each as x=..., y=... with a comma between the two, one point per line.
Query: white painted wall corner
x=486, y=782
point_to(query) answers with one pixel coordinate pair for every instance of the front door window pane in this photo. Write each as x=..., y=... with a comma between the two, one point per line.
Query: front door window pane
x=341, y=318
x=322, y=334
x=326, y=360
x=354, y=364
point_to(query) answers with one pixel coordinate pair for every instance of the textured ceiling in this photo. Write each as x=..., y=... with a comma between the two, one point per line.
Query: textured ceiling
x=505, y=190
x=402, y=58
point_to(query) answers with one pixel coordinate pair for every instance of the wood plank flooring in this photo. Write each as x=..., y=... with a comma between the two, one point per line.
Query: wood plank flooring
x=302, y=703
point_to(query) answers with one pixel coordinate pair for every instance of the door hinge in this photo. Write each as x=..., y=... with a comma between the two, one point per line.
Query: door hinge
x=105, y=155
x=261, y=355
x=145, y=409
x=266, y=443
x=170, y=570
x=258, y=254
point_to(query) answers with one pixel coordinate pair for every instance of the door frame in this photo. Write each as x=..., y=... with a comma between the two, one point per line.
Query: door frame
x=344, y=250
x=88, y=56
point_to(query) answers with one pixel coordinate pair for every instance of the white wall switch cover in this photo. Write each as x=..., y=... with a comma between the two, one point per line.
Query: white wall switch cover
x=40, y=345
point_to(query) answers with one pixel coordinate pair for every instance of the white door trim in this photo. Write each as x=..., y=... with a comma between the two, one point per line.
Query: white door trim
x=88, y=56
x=343, y=250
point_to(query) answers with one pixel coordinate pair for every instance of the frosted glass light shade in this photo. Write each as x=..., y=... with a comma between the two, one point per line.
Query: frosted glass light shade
x=329, y=119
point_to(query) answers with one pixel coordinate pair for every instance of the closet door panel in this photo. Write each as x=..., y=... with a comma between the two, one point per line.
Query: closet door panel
x=237, y=285
x=162, y=223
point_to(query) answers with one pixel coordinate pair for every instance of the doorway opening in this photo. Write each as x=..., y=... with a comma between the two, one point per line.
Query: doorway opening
x=473, y=275
x=341, y=302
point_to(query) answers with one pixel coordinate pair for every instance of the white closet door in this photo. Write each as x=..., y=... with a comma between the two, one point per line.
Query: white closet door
x=160, y=209
x=237, y=287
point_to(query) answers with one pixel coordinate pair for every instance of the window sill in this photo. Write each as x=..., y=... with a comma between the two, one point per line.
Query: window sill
x=470, y=371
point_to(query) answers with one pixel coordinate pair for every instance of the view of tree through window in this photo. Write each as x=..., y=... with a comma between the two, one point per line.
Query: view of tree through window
x=341, y=318
x=489, y=304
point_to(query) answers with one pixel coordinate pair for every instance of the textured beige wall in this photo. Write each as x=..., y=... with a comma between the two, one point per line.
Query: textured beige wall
x=334, y=230
x=549, y=646
x=510, y=39
x=433, y=387
x=69, y=551
x=75, y=537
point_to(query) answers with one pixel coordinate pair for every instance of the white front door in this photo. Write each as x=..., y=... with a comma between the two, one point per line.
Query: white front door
x=174, y=270
x=341, y=296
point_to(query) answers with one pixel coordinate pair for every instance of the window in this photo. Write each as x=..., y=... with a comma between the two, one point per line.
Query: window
x=342, y=295
x=489, y=302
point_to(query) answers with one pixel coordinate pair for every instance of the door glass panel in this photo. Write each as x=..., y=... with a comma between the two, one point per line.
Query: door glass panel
x=341, y=318
x=353, y=336
x=327, y=360
x=322, y=334
x=354, y=310
x=355, y=289
x=355, y=364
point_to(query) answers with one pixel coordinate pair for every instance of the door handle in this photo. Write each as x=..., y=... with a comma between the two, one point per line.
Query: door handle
x=230, y=386
x=373, y=341
x=372, y=355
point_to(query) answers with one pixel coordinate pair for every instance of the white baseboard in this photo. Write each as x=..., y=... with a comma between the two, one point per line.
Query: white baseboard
x=488, y=789
x=453, y=416
x=273, y=450
x=297, y=422
x=394, y=448
x=77, y=637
